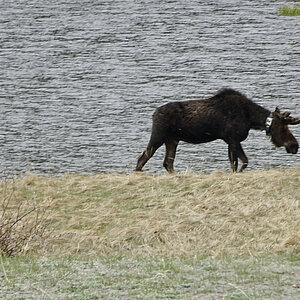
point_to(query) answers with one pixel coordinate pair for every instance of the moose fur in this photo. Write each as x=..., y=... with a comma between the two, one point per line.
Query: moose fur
x=229, y=115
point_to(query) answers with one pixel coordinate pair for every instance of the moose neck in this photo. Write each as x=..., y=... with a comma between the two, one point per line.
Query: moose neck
x=258, y=116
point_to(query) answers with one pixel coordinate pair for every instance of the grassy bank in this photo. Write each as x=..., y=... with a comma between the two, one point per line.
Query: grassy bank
x=219, y=214
x=138, y=236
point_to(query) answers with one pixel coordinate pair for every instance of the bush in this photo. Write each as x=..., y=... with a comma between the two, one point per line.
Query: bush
x=18, y=226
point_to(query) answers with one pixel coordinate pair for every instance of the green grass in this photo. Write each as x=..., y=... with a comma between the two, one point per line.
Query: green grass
x=151, y=278
x=287, y=10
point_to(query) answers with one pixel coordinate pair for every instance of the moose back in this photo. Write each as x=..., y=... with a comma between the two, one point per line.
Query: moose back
x=229, y=115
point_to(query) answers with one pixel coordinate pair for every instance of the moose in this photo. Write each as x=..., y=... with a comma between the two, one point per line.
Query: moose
x=228, y=115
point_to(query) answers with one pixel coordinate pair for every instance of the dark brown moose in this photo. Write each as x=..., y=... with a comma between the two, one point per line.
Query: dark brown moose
x=228, y=115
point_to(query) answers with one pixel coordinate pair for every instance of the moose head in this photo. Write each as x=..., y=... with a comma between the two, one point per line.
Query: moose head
x=280, y=133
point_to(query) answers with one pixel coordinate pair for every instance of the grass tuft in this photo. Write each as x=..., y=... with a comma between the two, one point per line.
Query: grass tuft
x=287, y=10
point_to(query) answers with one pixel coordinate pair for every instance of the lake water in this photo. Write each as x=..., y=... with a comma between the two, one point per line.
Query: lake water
x=79, y=80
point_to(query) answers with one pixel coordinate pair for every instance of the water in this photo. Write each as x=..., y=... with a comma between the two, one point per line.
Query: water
x=79, y=80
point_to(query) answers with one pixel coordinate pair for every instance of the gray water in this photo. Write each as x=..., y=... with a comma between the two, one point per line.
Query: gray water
x=79, y=80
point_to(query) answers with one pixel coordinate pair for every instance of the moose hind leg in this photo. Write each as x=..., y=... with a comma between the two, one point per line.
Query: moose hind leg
x=171, y=147
x=143, y=158
x=146, y=155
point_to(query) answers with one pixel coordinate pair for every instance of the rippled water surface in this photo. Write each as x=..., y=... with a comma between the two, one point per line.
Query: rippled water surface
x=79, y=80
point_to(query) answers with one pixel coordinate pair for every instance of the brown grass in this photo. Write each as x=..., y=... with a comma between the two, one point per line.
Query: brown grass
x=220, y=214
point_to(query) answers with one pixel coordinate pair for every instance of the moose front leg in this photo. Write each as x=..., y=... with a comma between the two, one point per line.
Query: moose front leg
x=233, y=158
x=242, y=156
x=235, y=152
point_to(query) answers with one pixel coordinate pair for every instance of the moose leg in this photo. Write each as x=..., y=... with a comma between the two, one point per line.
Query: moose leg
x=233, y=157
x=171, y=147
x=242, y=156
x=147, y=154
x=236, y=151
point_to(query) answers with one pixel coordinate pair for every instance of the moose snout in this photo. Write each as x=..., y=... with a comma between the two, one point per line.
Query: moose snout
x=292, y=147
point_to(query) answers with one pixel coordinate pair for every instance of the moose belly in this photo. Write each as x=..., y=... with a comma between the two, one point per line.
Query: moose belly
x=196, y=137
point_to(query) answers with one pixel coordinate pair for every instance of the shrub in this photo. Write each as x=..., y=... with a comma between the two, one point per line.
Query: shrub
x=18, y=226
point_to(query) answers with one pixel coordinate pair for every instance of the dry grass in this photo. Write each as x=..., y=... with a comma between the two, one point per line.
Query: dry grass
x=220, y=214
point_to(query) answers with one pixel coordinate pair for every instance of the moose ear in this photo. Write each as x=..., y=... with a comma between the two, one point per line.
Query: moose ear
x=276, y=112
